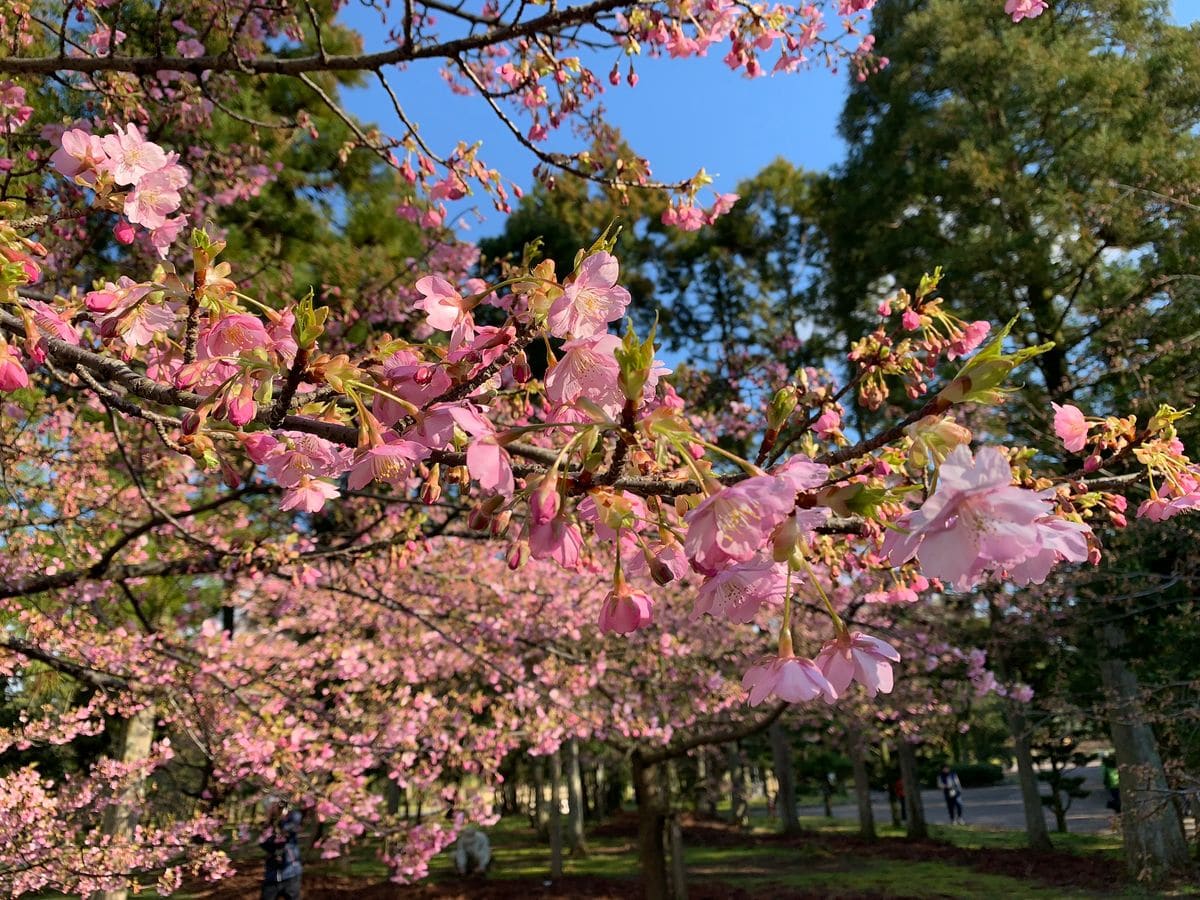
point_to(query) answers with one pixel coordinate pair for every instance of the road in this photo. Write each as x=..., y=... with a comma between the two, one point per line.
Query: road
x=995, y=807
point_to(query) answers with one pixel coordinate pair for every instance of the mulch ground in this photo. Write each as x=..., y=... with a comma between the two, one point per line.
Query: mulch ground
x=1050, y=869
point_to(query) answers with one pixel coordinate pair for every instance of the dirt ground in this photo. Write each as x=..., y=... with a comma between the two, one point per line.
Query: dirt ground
x=1048, y=869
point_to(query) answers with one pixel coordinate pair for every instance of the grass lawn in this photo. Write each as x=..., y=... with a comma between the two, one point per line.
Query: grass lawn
x=827, y=861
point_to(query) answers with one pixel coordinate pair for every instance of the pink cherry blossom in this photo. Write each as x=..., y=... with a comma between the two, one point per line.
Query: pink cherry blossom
x=970, y=338
x=130, y=157
x=309, y=494
x=732, y=524
x=1059, y=540
x=78, y=153
x=591, y=300
x=232, y=334
x=443, y=305
x=164, y=235
x=739, y=591
x=52, y=323
x=139, y=323
x=788, y=678
x=121, y=293
x=1159, y=509
x=858, y=657
x=1070, y=426
x=1025, y=9
x=801, y=474
x=12, y=373
x=152, y=201
x=558, y=540
x=240, y=406
x=490, y=465
x=389, y=463
x=587, y=369
x=625, y=610
x=975, y=521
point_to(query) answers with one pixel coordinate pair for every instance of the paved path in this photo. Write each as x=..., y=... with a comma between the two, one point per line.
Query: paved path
x=995, y=807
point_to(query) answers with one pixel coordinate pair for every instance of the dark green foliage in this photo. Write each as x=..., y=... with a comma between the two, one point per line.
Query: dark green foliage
x=1047, y=167
x=972, y=775
x=1063, y=758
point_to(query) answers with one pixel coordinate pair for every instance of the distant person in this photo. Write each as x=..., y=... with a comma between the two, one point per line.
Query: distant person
x=280, y=841
x=472, y=853
x=898, y=793
x=952, y=791
x=828, y=788
x=1112, y=784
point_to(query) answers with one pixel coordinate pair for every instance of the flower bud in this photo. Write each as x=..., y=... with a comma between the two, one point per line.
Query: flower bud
x=783, y=542
x=545, y=501
x=521, y=371
x=782, y=405
x=518, y=554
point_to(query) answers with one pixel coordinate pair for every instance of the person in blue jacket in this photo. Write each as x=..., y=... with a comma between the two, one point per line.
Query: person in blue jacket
x=280, y=841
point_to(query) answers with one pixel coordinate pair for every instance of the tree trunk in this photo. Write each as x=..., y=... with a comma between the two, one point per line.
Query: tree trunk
x=917, y=828
x=575, y=838
x=862, y=783
x=708, y=783
x=600, y=806
x=1060, y=814
x=678, y=865
x=1153, y=835
x=652, y=856
x=885, y=758
x=121, y=819
x=556, y=829
x=781, y=754
x=1031, y=797
x=739, y=814
x=541, y=810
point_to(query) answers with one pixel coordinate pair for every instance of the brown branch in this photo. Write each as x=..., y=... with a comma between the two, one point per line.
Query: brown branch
x=94, y=677
x=724, y=736
x=274, y=65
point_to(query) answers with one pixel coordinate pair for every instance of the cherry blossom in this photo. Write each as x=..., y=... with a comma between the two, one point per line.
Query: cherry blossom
x=1070, y=426
x=590, y=300
x=789, y=679
x=855, y=656
x=975, y=520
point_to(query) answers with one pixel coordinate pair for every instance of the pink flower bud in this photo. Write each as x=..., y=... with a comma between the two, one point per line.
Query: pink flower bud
x=544, y=502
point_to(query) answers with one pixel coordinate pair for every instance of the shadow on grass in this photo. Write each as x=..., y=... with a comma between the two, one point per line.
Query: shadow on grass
x=828, y=859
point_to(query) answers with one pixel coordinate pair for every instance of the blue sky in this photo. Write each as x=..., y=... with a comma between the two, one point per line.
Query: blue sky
x=683, y=115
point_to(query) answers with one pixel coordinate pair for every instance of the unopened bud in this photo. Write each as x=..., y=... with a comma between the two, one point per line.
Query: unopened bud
x=500, y=523
x=785, y=539
x=782, y=405
x=520, y=368
x=660, y=571
x=431, y=491
x=191, y=422
x=545, y=501
x=518, y=553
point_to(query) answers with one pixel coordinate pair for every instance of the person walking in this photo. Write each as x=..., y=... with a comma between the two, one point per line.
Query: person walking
x=280, y=842
x=952, y=791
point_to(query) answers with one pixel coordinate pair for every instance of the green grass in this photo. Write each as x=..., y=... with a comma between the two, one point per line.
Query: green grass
x=817, y=866
x=812, y=868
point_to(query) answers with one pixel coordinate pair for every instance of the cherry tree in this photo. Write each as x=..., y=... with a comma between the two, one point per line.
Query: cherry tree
x=325, y=549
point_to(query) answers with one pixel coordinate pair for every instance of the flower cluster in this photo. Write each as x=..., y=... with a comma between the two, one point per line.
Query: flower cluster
x=130, y=175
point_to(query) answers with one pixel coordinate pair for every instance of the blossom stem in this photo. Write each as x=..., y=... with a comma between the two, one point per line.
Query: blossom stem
x=408, y=408
x=838, y=625
x=746, y=465
x=691, y=464
x=270, y=312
